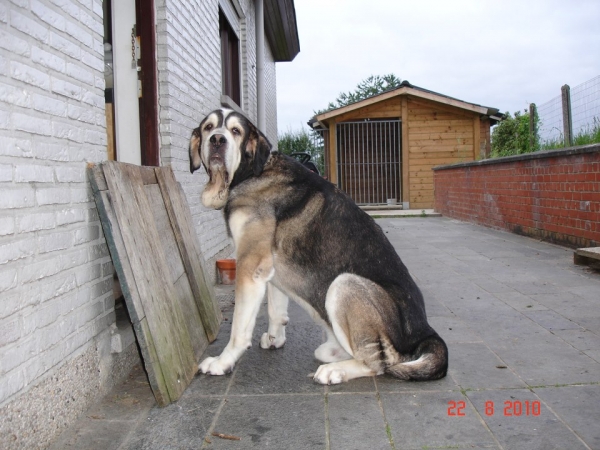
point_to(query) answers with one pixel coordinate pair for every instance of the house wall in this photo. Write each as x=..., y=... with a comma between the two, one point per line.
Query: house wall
x=190, y=87
x=552, y=195
x=56, y=300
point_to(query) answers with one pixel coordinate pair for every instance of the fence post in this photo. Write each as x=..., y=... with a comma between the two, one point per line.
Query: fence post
x=532, y=127
x=566, y=111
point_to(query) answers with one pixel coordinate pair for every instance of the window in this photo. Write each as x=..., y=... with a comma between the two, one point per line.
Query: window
x=230, y=60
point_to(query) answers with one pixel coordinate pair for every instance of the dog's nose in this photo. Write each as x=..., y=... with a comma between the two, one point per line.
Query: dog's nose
x=217, y=140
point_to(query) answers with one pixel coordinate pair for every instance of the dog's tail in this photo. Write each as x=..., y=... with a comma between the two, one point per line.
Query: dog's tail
x=430, y=361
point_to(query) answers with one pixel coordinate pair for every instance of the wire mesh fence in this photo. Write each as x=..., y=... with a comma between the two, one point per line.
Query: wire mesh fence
x=585, y=106
x=584, y=113
x=550, y=125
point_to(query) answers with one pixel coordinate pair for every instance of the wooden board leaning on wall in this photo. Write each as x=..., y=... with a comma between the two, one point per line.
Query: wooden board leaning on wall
x=156, y=255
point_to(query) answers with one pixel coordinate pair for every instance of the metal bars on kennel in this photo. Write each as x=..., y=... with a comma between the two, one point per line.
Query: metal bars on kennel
x=369, y=161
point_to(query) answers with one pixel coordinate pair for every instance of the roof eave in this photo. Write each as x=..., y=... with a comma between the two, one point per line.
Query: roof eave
x=406, y=89
x=281, y=29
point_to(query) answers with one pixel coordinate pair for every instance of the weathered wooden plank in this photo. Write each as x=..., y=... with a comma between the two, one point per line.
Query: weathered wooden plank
x=192, y=318
x=178, y=275
x=148, y=175
x=115, y=243
x=120, y=259
x=96, y=176
x=189, y=248
x=151, y=362
x=143, y=245
x=131, y=294
x=168, y=242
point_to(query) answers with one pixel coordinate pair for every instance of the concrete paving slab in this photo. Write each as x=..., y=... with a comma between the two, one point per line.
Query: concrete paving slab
x=578, y=407
x=497, y=299
x=551, y=320
x=491, y=285
x=283, y=370
x=475, y=366
x=356, y=415
x=519, y=301
x=434, y=420
x=550, y=364
x=388, y=384
x=179, y=425
x=519, y=420
x=580, y=339
x=271, y=421
x=453, y=330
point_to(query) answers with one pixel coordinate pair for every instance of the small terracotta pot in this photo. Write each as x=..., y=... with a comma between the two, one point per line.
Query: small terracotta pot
x=226, y=269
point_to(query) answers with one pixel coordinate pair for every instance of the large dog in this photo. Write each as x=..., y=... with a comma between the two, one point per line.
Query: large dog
x=298, y=236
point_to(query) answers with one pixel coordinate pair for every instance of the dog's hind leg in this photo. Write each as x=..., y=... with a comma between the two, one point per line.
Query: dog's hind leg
x=331, y=350
x=358, y=328
x=277, y=305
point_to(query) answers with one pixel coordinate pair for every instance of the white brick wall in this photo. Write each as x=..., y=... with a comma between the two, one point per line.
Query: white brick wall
x=55, y=271
x=189, y=77
x=56, y=298
x=189, y=62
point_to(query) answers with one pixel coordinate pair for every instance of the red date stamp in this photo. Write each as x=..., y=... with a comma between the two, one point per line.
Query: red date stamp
x=512, y=408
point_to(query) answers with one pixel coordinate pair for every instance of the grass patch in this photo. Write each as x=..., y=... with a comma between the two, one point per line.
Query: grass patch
x=587, y=136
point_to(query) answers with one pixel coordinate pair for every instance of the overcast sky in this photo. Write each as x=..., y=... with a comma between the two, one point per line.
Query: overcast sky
x=503, y=54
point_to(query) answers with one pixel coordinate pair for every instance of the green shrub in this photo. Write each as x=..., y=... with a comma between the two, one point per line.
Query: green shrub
x=301, y=142
x=511, y=136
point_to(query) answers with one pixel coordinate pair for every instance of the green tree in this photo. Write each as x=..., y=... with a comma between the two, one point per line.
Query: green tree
x=373, y=85
x=512, y=136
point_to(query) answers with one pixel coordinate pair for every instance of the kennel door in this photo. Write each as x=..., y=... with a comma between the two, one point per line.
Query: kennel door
x=369, y=161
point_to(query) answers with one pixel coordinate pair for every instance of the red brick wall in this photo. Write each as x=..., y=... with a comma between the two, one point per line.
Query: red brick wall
x=553, y=195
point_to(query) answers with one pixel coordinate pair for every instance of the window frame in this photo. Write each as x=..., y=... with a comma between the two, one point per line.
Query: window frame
x=230, y=60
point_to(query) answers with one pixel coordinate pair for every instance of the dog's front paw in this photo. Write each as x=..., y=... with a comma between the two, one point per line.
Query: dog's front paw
x=267, y=341
x=215, y=366
x=326, y=374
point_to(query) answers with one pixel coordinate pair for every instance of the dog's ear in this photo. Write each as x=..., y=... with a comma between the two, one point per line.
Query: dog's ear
x=195, y=149
x=258, y=149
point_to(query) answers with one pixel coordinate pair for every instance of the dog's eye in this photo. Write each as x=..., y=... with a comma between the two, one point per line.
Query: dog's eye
x=236, y=131
x=208, y=127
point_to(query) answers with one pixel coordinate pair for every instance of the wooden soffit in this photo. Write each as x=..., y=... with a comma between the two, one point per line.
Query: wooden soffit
x=281, y=29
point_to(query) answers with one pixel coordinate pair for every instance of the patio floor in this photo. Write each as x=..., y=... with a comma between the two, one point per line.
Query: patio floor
x=522, y=324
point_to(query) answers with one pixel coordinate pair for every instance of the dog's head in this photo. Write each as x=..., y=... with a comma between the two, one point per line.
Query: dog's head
x=231, y=149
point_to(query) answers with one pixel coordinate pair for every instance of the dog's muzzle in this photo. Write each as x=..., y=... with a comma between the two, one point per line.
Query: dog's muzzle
x=218, y=145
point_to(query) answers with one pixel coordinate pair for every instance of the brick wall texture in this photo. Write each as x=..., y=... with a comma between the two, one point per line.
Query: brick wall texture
x=189, y=62
x=55, y=270
x=56, y=299
x=553, y=195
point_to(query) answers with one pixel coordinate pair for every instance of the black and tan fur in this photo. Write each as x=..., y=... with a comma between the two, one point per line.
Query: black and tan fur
x=298, y=236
